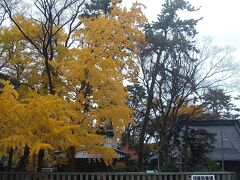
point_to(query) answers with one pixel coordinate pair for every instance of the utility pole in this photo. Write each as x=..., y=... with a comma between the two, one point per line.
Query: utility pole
x=222, y=151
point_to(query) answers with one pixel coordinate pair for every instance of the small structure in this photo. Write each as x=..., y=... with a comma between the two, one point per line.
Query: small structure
x=88, y=159
x=111, y=143
x=226, y=149
x=227, y=146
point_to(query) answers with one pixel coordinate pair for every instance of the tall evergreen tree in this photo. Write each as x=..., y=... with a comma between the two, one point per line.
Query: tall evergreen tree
x=167, y=65
x=218, y=105
x=97, y=7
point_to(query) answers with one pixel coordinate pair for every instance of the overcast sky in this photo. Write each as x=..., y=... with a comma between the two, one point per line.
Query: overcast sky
x=221, y=19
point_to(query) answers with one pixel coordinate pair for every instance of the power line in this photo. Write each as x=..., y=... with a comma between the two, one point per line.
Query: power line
x=229, y=140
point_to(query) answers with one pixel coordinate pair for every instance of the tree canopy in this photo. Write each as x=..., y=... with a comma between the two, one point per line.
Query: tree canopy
x=70, y=70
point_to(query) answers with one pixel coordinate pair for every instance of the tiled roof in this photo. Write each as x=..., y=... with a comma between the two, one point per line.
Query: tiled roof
x=231, y=138
x=85, y=155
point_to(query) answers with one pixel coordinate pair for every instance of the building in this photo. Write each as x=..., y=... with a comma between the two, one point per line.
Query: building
x=227, y=146
x=85, y=162
x=226, y=149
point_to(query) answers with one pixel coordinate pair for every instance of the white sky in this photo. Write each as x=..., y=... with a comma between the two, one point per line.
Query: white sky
x=221, y=19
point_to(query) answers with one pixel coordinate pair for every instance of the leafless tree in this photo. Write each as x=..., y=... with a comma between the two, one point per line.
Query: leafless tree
x=174, y=72
x=179, y=84
x=2, y=14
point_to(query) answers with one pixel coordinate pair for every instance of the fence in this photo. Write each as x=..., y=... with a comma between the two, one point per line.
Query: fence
x=113, y=176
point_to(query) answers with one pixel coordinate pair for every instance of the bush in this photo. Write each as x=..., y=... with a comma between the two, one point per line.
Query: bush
x=213, y=166
x=170, y=167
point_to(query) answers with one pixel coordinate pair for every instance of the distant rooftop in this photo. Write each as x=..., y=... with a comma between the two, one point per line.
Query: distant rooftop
x=231, y=137
x=214, y=122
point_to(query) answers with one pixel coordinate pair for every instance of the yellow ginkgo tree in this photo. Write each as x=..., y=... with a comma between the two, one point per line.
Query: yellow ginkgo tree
x=42, y=123
x=71, y=92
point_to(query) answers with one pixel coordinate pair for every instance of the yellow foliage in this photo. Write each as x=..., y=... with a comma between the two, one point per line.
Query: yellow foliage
x=88, y=80
x=107, y=49
x=183, y=108
x=120, y=165
x=41, y=122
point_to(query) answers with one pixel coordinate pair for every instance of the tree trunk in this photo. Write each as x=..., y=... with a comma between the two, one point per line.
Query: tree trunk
x=10, y=155
x=146, y=116
x=186, y=149
x=34, y=163
x=40, y=161
x=23, y=162
x=49, y=74
x=71, y=159
x=165, y=151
